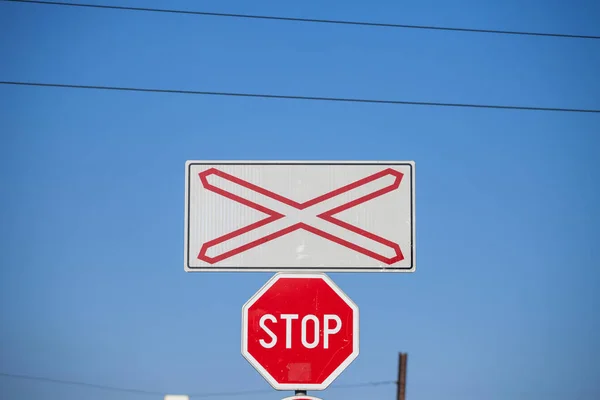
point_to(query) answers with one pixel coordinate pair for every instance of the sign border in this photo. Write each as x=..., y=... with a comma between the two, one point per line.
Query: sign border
x=302, y=397
x=382, y=268
x=355, y=331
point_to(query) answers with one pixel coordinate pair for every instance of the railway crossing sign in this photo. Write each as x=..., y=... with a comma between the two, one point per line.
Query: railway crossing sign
x=299, y=216
x=300, y=331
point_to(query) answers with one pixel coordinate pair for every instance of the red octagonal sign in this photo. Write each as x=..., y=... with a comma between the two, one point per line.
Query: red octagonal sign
x=300, y=331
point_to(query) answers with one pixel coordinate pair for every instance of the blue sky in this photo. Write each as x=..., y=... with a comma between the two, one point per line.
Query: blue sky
x=504, y=301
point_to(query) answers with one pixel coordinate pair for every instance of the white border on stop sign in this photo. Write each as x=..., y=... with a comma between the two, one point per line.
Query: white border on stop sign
x=299, y=386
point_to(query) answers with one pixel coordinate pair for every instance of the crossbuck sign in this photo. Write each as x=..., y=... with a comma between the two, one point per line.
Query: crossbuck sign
x=300, y=216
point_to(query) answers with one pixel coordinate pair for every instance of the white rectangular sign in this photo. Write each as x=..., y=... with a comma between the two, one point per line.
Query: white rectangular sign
x=322, y=216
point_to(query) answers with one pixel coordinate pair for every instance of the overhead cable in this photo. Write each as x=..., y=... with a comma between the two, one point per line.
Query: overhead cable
x=157, y=393
x=80, y=383
x=297, y=97
x=310, y=20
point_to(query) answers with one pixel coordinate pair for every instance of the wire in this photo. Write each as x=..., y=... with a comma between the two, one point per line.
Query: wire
x=293, y=97
x=248, y=392
x=309, y=20
x=150, y=392
x=79, y=383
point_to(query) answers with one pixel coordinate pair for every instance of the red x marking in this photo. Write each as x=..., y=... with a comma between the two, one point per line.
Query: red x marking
x=327, y=215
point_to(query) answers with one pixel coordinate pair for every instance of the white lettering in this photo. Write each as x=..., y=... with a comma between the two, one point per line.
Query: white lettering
x=288, y=328
x=262, y=342
x=315, y=321
x=330, y=331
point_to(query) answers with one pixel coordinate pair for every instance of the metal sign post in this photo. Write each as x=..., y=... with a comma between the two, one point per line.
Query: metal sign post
x=301, y=397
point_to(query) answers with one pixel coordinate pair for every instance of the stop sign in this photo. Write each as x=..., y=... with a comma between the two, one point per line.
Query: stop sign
x=300, y=331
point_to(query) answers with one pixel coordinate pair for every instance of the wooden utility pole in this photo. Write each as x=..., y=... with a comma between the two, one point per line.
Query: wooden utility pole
x=401, y=393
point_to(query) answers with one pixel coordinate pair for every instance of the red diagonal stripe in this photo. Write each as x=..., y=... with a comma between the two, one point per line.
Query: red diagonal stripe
x=247, y=185
x=352, y=186
x=213, y=171
x=328, y=216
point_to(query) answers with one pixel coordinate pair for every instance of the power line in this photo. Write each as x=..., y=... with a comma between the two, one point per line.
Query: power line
x=295, y=97
x=156, y=393
x=310, y=20
x=81, y=384
x=265, y=391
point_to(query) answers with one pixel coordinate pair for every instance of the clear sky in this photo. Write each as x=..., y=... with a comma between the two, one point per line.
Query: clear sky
x=504, y=302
